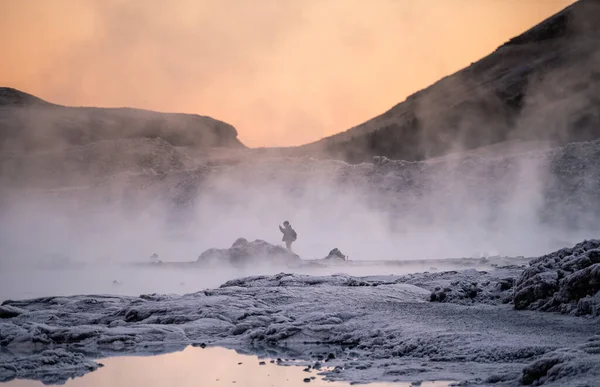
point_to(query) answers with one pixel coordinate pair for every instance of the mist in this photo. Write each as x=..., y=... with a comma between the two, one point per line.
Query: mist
x=86, y=238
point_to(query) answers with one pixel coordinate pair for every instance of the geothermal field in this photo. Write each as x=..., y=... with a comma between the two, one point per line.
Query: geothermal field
x=452, y=241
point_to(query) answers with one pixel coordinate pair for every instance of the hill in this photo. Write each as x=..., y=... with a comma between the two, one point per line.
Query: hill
x=83, y=164
x=28, y=123
x=543, y=85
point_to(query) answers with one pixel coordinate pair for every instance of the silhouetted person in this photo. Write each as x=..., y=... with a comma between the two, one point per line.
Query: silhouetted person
x=289, y=235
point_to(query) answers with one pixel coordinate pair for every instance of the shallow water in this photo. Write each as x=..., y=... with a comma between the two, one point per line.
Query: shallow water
x=195, y=367
x=23, y=282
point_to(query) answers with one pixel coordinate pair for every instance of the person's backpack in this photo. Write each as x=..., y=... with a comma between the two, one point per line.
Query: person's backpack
x=294, y=235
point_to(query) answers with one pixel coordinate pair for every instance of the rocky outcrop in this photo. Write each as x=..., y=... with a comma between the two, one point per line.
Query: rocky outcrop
x=336, y=255
x=243, y=253
x=468, y=287
x=565, y=366
x=51, y=366
x=566, y=281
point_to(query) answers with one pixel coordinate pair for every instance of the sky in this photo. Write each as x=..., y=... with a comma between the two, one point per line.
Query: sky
x=283, y=72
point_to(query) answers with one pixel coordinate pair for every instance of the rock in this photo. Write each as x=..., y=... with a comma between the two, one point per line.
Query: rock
x=240, y=242
x=538, y=370
x=7, y=311
x=243, y=253
x=575, y=366
x=589, y=305
x=380, y=160
x=336, y=254
x=565, y=281
x=471, y=287
x=505, y=284
x=47, y=366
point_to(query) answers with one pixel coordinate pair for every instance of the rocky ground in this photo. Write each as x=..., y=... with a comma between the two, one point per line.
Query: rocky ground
x=566, y=281
x=463, y=325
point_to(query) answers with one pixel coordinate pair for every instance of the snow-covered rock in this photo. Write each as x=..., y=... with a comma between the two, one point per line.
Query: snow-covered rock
x=566, y=366
x=566, y=281
x=377, y=328
x=52, y=366
x=468, y=287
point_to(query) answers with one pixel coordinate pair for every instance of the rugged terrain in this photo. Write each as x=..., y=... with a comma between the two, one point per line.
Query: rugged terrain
x=93, y=181
x=371, y=328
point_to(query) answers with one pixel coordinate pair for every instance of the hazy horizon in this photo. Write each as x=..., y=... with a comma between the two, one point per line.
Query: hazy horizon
x=345, y=61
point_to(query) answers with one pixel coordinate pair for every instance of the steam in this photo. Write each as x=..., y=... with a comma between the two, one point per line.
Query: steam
x=438, y=209
x=130, y=201
x=444, y=208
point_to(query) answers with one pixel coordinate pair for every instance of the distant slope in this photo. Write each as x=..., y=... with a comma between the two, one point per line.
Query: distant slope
x=542, y=85
x=28, y=123
x=82, y=165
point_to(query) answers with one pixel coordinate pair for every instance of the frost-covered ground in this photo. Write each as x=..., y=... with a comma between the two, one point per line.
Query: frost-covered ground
x=388, y=328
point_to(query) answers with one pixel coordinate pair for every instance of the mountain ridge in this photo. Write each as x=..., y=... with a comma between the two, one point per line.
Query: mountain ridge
x=29, y=123
x=493, y=100
x=539, y=86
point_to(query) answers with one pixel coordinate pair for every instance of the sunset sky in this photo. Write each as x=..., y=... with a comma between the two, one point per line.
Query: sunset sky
x=283, y=72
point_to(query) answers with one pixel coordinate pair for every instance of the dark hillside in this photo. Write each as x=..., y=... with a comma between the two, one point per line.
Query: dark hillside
x=542, y=85
x=28, y=123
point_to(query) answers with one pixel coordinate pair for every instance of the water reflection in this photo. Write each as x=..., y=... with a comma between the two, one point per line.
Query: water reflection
x=202, y=367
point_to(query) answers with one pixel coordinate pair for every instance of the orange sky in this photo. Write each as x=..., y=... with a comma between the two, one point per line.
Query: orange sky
x=283, y=72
